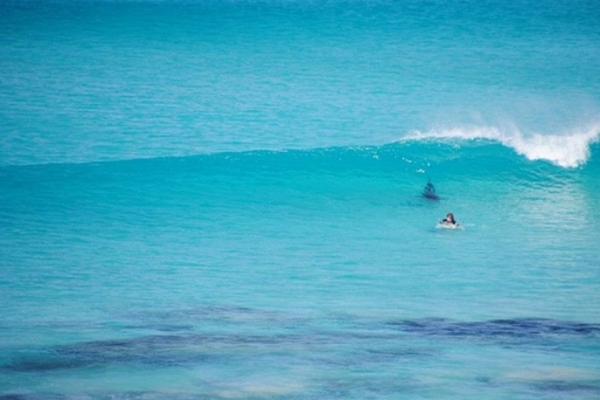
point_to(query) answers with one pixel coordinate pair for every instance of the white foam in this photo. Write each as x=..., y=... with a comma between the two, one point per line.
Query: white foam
x=569, y=150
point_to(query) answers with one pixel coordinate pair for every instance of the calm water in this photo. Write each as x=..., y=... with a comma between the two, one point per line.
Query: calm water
x=222, y=199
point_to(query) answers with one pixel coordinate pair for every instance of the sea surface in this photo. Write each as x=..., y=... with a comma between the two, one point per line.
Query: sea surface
x=223, y=199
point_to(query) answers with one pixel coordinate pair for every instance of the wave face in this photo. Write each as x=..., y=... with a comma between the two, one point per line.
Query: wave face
x=224, y=199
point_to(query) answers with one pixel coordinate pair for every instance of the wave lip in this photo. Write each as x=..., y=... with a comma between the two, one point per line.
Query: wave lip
x=568, y=150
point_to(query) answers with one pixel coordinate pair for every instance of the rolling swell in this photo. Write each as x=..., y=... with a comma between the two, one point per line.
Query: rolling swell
x=419, y=153
x=471, y=169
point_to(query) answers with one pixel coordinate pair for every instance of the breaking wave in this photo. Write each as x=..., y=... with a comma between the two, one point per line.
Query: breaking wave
x=568, y=150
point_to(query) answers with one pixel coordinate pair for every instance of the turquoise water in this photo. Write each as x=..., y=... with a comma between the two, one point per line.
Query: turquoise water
x=223, y=199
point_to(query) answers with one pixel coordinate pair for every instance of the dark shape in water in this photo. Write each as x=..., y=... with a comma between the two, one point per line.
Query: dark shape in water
x=146, y=350
x=505, y=328
x=193, y=349
x=429, y=192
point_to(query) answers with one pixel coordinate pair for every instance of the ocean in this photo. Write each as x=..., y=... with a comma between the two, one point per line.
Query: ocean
x=223, y=199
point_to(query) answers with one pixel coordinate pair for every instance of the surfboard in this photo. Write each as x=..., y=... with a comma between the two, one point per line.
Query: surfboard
x=443, y=225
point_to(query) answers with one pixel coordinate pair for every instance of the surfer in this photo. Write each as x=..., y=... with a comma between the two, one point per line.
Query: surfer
x=449, y=220
x=429, y=192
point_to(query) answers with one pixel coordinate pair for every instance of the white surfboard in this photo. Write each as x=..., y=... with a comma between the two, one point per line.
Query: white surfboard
x=444, y=225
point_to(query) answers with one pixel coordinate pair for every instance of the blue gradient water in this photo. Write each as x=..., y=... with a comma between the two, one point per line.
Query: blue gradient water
x=222, y=199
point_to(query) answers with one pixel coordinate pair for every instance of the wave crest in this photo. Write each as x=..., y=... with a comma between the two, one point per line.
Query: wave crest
x=568, y=150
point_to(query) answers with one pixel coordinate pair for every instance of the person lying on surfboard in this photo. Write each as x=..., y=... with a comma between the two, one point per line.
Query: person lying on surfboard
x=449, y=220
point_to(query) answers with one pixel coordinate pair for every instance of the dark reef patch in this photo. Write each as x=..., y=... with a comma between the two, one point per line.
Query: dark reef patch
x=501, y=328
